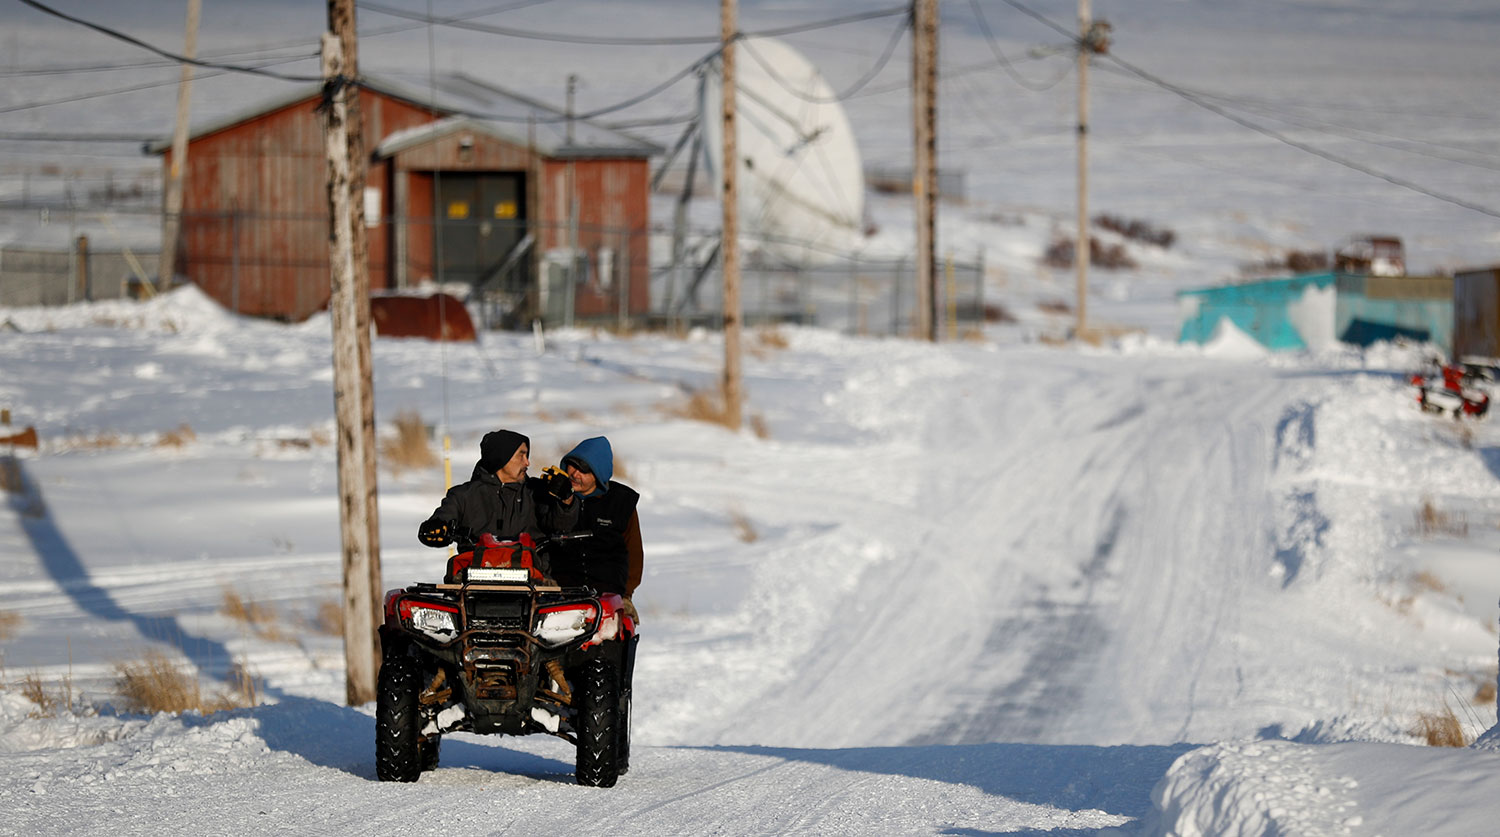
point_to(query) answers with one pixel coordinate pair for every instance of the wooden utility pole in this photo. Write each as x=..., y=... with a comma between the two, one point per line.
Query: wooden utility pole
x=729, y=248
x=353, y=390
x=172, y=209
x=924, y=169
x=572, y=290
x=1081, y=243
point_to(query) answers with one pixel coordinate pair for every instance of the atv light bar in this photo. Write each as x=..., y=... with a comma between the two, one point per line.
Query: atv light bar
x=437, y=621
x=564, y=623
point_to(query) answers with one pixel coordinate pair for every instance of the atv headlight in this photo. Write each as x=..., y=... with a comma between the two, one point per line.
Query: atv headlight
x=564, y=623
x=437, y=621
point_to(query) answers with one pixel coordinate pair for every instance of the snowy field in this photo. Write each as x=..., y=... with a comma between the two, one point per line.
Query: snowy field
x=1005, y=585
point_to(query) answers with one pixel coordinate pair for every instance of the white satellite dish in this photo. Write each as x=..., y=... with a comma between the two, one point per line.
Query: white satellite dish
x=801, y=182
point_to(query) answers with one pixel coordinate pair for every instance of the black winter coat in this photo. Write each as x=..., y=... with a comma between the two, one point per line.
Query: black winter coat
x=484, y=504
x=601, y=561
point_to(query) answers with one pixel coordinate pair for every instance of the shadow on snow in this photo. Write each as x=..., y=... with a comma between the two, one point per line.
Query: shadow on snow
x=343, y=738
x=64, y=565
x=1116, y=780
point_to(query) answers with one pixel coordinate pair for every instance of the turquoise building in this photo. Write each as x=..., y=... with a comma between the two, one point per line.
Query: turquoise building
x=1317, y=309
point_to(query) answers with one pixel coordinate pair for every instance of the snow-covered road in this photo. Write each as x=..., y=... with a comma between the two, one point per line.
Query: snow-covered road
x=965, y=589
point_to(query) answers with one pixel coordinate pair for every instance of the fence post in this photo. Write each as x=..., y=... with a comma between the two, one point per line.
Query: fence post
x=81, y=269
x=979, y=292
x=234, y=260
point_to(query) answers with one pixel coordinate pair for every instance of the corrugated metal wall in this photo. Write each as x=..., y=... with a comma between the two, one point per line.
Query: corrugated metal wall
x=255, y=208
x=1476, y=313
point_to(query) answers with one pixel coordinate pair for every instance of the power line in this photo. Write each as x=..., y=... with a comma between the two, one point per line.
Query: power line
x=1006, y=64
x=605, y=40
x=1261, y=129
x=181, y=59
x=1310, y=149
x=42, y=136
x=885, y=57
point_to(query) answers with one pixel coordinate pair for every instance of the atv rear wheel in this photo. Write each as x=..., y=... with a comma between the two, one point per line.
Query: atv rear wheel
x=398, y=756
x=598, y=726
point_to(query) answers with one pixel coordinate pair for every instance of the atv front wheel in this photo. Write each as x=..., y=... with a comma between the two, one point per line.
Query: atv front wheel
x=398, y=756
x=598, y=726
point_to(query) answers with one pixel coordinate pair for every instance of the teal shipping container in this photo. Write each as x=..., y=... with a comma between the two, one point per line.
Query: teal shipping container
x=1282, y=314
x=1317, y=309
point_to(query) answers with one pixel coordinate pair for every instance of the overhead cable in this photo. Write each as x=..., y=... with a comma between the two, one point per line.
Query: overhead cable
x=614, y=40
x=182, y=59
x=885, y=57
x=1189, y=96
x=1006, y=64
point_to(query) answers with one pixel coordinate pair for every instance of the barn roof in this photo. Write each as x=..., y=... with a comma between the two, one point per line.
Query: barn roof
x=469, y=104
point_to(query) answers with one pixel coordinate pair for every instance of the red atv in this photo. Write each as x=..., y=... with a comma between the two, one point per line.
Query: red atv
x=498, y=647
x=1453, y=388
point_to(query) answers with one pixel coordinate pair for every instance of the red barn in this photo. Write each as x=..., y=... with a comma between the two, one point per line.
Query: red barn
x=468, y=183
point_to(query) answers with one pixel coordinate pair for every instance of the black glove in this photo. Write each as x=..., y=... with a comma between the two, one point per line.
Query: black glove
x=558, y=484
x=435, y=532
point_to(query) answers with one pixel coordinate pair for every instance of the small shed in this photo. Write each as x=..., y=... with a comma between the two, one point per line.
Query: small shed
x=467, y=183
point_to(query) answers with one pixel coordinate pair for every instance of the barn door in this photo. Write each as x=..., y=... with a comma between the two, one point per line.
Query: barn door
x=482, y=218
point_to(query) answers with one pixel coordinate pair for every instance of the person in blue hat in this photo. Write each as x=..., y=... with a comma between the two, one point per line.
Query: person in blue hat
x=611, y=559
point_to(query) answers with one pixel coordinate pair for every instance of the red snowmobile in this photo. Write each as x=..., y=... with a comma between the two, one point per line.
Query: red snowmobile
x=498, y=647
x=1453, y=388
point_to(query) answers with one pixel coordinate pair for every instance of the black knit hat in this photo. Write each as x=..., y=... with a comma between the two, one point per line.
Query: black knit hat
x=498, y=446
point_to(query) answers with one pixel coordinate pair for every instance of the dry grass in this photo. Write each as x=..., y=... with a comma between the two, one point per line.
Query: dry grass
x=409, y=449
x=771, y=338
x=743, y=528
x=1440, y=729
x=157, y=684
x=620, y=472
x=48, y=703
x=1425, y=580
x=1485, y=694
x=99, y=441
x=702, y=406
x=261, y=618
x=329, y=618
x=9, y=622
x=177, y=438
x=251, y=613
x=1431, y=520
x=1054, y=306
x=759, y=427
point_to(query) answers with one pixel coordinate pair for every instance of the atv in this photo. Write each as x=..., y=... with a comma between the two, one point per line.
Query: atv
x=499, y=648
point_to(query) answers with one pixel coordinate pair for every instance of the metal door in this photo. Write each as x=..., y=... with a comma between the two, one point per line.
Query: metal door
x=482, y=217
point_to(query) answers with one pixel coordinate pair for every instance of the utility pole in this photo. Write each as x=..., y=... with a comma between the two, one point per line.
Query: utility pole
x=1081, y=241
x=729, y=247
x=172, y=210
x=924, y=173
x=353, y=389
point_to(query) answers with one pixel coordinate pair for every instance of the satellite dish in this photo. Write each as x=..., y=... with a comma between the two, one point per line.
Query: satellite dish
x=801, y=182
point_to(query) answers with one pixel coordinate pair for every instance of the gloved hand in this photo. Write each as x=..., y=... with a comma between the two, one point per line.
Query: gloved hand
x=629, y=607
x=435, y=532
x=558, y=484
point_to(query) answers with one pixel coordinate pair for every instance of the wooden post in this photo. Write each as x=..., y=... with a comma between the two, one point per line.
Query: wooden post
x=1081, y=244
x=729, y=252
x=172, y=212
x=81, y=268
x=924, y=173
x=352, y=384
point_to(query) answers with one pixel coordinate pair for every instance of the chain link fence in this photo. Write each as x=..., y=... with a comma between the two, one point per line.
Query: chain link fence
x=276, y=266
